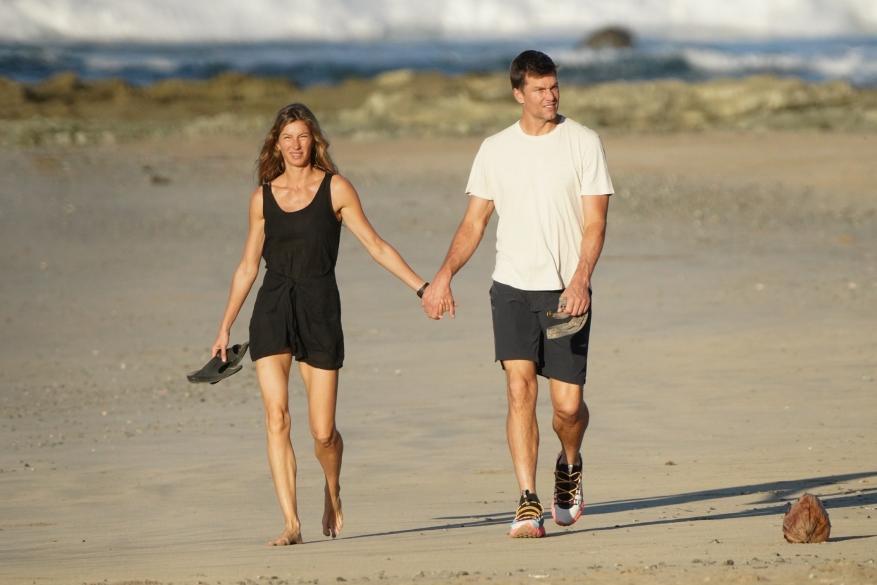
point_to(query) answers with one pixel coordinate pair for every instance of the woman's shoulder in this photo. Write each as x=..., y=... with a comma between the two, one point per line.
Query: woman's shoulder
x=341, y=184
x=257, y=199
x=339, y=179
x=343, y=192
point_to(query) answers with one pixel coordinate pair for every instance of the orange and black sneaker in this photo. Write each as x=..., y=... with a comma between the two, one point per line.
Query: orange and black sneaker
x=528, y=518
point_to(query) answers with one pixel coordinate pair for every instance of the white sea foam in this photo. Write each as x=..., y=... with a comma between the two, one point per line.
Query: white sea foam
x=855, y=64
x=110, y=65
x=166, y=21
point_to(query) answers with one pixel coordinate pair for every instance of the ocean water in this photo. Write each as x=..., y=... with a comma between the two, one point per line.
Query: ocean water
x=325, y=41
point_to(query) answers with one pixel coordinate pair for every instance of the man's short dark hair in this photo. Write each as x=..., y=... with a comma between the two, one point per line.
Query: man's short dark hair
x=533, y=63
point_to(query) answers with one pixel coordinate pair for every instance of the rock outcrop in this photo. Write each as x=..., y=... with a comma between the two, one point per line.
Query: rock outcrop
x=65, y=109
x=610, y=37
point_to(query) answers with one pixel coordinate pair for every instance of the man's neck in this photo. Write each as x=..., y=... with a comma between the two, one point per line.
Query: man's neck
x=537, y=127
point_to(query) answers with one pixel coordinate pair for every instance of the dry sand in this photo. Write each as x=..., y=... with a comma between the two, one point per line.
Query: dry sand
x=733, y=367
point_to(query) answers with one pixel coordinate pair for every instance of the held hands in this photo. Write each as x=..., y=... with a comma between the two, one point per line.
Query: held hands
x=220, y=345
x=438, y=299
x=576, y=299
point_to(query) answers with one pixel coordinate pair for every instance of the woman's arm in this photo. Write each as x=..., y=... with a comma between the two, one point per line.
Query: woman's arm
x=245, y=274
x=346, y=202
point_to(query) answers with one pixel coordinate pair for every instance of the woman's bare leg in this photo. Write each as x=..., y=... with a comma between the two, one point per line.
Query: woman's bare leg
x=322, y=390
x=273, y=374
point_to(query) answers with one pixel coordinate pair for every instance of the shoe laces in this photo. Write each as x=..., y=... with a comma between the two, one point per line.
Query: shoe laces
x=529, y=508
x=566, y=485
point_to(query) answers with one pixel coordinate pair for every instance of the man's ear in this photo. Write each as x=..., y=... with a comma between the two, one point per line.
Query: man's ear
x=519, y=95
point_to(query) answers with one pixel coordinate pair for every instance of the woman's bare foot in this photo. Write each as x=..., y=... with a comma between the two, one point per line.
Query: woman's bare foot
x=333, y=519
x=287, y=537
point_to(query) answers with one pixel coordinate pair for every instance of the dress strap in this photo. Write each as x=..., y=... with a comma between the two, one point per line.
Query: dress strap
x=326, y=186
x=266, y=196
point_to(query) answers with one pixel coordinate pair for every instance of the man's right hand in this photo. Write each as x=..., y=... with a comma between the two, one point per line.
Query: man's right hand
x=438, y=298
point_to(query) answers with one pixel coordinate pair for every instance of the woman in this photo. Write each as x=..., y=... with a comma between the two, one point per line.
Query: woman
x=295, y=224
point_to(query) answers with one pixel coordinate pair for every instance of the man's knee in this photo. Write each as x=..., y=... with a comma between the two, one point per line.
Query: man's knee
x=568, y=403
x=570, y=413
x=522, y=390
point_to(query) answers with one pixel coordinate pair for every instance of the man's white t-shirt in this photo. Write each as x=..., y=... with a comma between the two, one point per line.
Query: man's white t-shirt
x=536, y=184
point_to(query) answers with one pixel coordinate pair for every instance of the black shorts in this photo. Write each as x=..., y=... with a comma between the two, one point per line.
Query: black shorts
x=301, y=317
x=519, y=323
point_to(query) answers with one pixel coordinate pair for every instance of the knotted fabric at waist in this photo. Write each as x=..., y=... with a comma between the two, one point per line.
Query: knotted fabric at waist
x=329, y=277
x=299, y=301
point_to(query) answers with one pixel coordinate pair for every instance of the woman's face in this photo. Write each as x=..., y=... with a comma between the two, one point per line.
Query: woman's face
x=295, y=144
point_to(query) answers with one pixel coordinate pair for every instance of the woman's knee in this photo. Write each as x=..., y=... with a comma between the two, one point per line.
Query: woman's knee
x=277, y=419
x=325, y=438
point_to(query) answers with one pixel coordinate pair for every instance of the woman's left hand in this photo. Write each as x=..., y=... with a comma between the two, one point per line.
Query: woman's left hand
x=220, y=345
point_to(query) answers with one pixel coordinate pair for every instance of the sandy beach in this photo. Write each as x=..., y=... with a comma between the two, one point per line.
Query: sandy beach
x=733, y=367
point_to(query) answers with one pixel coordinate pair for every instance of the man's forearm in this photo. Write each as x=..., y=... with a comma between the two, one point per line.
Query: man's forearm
x=592, y=245
x=463, y=245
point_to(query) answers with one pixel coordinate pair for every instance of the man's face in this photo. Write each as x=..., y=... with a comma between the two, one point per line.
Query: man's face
x=540, y=97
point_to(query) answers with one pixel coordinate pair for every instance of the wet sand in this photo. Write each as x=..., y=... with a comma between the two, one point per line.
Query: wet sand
x=732, y=368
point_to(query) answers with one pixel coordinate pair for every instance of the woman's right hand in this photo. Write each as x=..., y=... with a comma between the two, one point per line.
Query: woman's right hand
x=220, y=345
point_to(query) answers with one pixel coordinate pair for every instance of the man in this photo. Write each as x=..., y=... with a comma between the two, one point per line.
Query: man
x=546, y=177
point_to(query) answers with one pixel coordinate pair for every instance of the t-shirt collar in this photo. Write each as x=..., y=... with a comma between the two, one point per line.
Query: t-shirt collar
x=560, y=121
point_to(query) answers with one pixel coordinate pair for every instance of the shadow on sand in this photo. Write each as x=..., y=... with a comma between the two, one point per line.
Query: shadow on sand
x=773, y=501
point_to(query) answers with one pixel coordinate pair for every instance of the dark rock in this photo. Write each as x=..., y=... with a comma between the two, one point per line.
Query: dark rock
x=610, y=37
x=112, y=90
x=11, y=93
x=61, y=87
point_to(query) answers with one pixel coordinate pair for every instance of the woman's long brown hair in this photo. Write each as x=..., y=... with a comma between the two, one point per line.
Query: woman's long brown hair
x=270, y=164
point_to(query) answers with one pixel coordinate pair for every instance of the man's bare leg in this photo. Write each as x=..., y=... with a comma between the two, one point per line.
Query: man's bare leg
x=322, y=389
x=569, y=421
x=523, y=435
x=273, y=374
x=570, y=418
x=522, y=429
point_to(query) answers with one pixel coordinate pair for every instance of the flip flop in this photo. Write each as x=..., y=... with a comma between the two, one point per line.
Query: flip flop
x=216, y=369
x=571, y=327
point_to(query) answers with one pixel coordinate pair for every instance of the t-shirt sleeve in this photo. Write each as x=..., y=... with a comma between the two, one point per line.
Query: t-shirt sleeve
x=479, y=180
x=595, y=171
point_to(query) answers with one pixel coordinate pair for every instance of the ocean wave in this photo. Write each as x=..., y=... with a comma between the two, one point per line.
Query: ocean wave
x=851, y=60
x=170, y=21
x=857, y=65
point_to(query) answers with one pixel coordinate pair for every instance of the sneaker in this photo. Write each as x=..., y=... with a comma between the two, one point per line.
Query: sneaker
x=568, y=503
x=528, y=518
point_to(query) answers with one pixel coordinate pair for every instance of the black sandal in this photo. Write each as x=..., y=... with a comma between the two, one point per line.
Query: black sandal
x=216, y=369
